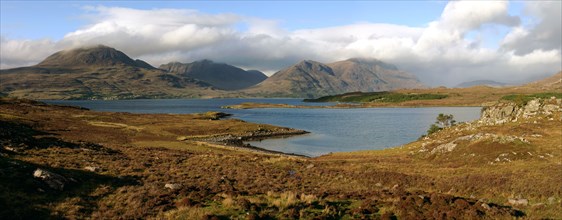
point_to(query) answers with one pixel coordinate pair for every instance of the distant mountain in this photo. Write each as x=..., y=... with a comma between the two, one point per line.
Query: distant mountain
x=220, y=75
x=98, y=72
x=313, y=79
x=371, y=75
x=489, y=83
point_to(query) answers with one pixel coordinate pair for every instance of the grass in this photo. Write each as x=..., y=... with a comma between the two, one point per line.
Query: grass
x=227, y=182
x=522, y=99
x=390, y=97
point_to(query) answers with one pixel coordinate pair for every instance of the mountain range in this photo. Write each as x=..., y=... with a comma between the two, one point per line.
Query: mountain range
x=312, y=79
x=101, y=72
x=489, y=83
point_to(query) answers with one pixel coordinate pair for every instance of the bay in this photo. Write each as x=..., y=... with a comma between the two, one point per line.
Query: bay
x=332, y=130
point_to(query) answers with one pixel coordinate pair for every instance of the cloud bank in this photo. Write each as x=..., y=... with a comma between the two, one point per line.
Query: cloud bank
x=440, y=53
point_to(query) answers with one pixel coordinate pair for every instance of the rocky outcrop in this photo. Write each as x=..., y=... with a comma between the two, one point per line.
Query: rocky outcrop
x=503, y=112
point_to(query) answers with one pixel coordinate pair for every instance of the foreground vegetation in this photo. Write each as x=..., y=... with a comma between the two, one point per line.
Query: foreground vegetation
x=121, y=165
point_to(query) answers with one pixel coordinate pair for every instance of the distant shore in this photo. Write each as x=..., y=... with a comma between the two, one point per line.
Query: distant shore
x=255, y=105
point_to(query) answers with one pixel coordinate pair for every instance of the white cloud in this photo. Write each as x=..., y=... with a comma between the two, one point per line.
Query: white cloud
x=15, y=53
x=545, y=33
x=438, y=53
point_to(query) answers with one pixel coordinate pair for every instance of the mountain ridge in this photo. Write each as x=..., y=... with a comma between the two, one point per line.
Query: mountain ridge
x=490, y=83
x=220, y=75
x=309, y=78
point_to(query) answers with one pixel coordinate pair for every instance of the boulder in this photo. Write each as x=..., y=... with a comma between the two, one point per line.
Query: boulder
x=172, y=186
x=551, y=200
x=531, y=108
x=53, y=180
x=91, y=168
x=448, y=147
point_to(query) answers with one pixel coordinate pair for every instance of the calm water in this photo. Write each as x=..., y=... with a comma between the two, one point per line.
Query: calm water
x=332, y=130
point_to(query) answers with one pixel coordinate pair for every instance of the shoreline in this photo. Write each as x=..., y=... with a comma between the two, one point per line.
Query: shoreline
x=252, y=105
x=236, y=142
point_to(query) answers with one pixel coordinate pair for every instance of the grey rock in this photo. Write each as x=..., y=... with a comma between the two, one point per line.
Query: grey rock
x=53, y=180
x=518, y=202
x=448, y=147
x=173, y=186
x=92, y=168
x=11, y=149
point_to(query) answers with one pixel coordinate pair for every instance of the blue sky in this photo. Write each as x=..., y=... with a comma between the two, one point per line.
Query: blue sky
x=442, y=42
x=53, y=19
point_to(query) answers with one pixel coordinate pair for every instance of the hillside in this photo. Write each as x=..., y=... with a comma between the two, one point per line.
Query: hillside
x=98, y=72
x=553, y=82
x=65, y=162
x=371, y=75
x=220, y=75
x=313, y=79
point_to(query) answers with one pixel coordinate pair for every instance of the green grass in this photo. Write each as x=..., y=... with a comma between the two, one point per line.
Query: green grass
x=522, y=99
x=377, y=97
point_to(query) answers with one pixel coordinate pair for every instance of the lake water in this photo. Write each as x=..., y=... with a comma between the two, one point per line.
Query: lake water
x=332, y=130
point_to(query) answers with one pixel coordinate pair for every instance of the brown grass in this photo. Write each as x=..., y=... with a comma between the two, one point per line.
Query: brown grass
x=226, y=182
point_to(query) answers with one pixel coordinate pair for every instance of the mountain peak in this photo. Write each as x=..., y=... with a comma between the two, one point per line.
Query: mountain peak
x=97, y=55
x=308, y=63
x=311, y=65
x=371, y=61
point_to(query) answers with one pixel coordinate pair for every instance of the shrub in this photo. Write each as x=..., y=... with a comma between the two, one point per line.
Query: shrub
x=442, y=121
x=433, y=128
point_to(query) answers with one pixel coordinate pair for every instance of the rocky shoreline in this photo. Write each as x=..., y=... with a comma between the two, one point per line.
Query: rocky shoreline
x=237, y=141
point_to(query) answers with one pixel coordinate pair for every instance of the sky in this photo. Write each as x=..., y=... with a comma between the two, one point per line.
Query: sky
x=441, y=42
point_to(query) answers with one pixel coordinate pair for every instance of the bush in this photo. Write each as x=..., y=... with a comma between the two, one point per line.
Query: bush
x=433, y=128
x=442, y=121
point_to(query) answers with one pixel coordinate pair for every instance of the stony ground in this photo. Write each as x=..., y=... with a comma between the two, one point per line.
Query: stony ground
x=62, y=162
